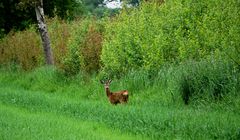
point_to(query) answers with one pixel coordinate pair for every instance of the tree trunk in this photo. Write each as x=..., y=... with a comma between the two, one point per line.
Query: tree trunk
x=43, y=33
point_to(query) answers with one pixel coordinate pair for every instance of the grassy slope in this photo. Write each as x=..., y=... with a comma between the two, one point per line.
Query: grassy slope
x=32, y=112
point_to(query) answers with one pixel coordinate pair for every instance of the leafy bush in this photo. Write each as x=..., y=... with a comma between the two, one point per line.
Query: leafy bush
x=22, y=49
x=91, y=50
x=59, y=32
x=151, y=35
x=84, y=46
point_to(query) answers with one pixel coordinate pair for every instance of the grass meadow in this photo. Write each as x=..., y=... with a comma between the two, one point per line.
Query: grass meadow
x=45, y=104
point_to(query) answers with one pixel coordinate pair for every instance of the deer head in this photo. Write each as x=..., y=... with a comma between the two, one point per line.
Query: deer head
x=106, y=83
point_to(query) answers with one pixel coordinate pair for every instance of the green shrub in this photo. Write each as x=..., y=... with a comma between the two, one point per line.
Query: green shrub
x=21, y=49
x=151, y=35
x=84, y=46
x=59, y=32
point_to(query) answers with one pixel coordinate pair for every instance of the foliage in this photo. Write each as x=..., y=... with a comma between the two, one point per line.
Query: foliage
x=67, y=9
x=151, y=35
x=21, y=49
x=90, y=5
x=12, y=16
x=134, y=2
x=59, y=32
x=76, y=46
x=84, y=47
x=19, y=14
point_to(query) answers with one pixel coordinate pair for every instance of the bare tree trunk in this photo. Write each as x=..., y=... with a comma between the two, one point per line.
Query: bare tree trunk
x=44, y=33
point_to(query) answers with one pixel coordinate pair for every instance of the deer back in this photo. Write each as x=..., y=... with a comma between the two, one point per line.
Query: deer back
x=119, y=97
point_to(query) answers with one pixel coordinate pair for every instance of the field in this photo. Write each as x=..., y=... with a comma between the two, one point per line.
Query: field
x=43, y=104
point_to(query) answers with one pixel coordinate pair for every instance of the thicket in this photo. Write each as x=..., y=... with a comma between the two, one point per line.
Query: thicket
x=21, y=50
x=84, y=47
x=76, y=46
x=151, y=35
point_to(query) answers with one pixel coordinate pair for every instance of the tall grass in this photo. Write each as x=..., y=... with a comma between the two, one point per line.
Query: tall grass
x=192, y=82
x=153, y=111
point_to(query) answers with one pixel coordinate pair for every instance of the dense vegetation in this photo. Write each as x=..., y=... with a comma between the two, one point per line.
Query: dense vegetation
x=174, y=32
x=179, y=60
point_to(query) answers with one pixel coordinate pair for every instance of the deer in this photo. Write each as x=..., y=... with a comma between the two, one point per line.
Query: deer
x=115, y=97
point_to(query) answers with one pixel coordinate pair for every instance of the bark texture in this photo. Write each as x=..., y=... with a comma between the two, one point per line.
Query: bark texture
x=44, y=33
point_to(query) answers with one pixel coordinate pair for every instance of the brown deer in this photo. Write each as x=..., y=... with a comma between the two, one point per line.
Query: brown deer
x=115, y=97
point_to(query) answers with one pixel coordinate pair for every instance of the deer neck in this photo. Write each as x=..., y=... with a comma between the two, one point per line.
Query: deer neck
x=108, y=91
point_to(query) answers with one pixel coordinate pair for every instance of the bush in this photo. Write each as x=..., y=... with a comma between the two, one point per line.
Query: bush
x=91, y=49
x=84, y=46
x=59, y=32
x=151, y=35
x=22, y=49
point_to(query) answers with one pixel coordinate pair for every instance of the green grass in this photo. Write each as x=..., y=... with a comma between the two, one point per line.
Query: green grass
x=43, y=104
x=19, y=123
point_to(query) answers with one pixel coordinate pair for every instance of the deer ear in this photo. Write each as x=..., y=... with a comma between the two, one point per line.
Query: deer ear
x=109, y=81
